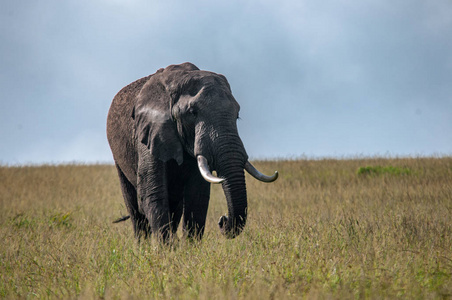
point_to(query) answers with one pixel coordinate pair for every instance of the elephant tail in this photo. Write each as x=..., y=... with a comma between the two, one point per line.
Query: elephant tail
x=121, y=219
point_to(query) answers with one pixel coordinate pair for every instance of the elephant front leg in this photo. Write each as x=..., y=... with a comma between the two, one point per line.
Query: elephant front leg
x=153, y=190
x=196, y=203
x=175, y=181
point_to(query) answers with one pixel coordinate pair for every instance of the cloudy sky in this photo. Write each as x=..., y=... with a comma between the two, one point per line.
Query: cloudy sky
x=314, y=78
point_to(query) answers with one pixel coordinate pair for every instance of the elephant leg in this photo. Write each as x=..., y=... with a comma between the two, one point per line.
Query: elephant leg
x=140, y=224
x=196, y=203
x=175, y=193
x=153, y=190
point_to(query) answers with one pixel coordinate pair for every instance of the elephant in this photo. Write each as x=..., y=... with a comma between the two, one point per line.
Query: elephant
x=168, y=132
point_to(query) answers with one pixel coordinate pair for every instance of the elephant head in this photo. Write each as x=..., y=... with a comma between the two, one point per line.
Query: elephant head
x=183, y=112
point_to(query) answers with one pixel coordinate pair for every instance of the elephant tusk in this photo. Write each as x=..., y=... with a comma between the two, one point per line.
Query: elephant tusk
x=205, y=171
x=258, y=175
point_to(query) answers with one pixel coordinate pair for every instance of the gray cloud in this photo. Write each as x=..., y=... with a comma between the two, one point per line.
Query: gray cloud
x=330, y=78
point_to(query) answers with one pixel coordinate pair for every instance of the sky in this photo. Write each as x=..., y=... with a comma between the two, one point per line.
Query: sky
x=314, y=79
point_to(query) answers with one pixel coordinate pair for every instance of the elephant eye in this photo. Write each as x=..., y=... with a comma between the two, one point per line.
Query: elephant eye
x=193, y=111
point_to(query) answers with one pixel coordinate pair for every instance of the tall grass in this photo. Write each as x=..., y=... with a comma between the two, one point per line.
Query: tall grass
x=323, y=230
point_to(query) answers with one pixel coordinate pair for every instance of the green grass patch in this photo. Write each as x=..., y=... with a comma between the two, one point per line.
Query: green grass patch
x=60, y=220
x=379, y=170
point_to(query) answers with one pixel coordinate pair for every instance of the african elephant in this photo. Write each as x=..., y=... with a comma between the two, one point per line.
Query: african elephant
x=167, y=132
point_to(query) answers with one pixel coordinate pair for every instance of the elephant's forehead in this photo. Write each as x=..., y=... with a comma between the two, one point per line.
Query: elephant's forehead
x=216, y=95
x=219, y=105
x=208, y=78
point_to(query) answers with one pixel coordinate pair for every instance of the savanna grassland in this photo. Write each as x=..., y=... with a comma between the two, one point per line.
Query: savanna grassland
x=361, y=228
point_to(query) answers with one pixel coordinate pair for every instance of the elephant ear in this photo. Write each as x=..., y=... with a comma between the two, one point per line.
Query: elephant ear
x=154, y=126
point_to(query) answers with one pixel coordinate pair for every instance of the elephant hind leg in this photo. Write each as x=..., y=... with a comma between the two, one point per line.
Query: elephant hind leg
x=139, y=221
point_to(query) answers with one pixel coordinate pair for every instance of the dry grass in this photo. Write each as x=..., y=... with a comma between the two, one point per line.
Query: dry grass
x=323, y=230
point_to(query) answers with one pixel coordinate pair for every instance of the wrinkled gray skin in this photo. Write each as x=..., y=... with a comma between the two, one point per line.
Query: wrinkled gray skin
x=156, y=128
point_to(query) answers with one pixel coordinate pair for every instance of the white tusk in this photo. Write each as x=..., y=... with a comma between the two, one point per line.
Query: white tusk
x=205, y=171
x=258, y=175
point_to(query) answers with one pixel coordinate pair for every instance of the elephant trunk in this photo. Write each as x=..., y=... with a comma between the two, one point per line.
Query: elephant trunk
x=228, y=157
x=231, y=168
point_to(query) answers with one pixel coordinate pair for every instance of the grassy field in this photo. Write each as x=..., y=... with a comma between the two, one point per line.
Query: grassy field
x=362, y=228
